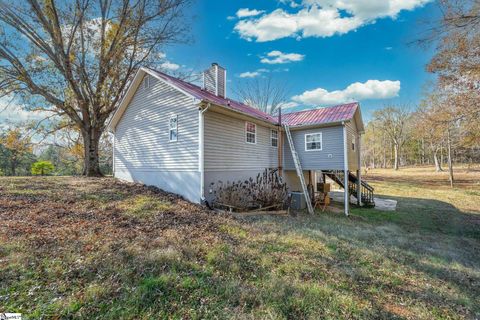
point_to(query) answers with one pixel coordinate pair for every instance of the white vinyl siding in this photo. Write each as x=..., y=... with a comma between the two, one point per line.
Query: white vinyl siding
x=331, y=156
x=313, y=141
x=274, y=138
x=225, y=147
x=352, y=139
x=250, y=132
x=142, y=134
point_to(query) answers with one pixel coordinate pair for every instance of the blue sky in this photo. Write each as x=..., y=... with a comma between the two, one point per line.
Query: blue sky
x=334, y=44
x=326, y=51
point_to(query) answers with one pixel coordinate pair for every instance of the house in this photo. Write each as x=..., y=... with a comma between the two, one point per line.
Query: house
x=182, y=137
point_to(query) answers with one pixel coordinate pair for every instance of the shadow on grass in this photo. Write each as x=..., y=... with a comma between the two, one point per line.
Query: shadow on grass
x=419, y=262
x=427, y=251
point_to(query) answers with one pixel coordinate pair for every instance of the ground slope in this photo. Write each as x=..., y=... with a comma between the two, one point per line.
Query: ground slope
x=98, y=248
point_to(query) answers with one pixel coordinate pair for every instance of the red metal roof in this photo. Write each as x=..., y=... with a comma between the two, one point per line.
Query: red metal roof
x=307, y=117
x=321, y=116
x=202, y=94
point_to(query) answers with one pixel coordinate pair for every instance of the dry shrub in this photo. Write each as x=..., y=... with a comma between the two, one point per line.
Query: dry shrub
x=266, y=190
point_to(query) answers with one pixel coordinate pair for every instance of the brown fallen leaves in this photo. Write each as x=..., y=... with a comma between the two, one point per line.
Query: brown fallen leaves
x=51, y=211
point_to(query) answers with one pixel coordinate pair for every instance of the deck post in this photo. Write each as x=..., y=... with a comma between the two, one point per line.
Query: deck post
x=359, y=173
x=345, y=171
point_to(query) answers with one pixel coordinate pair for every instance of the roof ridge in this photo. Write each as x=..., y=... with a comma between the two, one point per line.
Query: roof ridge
x=207, y=92
x=321, y=108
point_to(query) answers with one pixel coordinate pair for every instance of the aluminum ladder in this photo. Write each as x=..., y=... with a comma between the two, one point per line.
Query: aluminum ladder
x=298, y=167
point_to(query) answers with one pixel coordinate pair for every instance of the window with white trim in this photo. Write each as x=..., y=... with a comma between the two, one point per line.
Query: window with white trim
x=173, y=128
x=146, y=81
x=274, y=138
x=250, y=132
x=353, y=142
x=313, y=141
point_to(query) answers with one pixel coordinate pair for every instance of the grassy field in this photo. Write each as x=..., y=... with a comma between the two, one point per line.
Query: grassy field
x=98, y=248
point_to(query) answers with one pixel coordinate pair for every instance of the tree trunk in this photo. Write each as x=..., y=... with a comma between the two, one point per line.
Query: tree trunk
x=438, y=165
x=13, y=167
x=395, y=160
x=384, y=153
x=423, y=151
x=91, y=141
x=449, y=154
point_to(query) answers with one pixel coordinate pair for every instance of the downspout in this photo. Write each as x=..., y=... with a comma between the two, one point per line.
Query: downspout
x=113, y=154
x=345, y=169
x=280, y=143
x=201, y=152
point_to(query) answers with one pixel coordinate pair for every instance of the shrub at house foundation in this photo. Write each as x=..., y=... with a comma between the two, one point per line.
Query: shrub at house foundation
x=267, y=190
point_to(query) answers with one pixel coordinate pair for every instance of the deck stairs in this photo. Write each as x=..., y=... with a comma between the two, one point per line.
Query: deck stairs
x=298, y=167
x=366, y=189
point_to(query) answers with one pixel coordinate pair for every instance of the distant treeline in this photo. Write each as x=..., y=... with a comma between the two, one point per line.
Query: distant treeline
x=19, y=152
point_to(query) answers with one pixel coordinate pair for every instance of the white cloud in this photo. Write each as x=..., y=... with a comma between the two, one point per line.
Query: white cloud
x=278, y=57
x=253, y=74
x=372, y=89
x=170, y=66
x=321, y=18
x=289, y=105
x=245, y=12
x=12, y=112
x=250, y=74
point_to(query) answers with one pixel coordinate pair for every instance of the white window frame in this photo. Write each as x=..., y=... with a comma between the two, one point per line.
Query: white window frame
x=354, y=144
x=272, y=137
x=254, y=133
x=170, y=128
x=146, y=81
x=321, y=141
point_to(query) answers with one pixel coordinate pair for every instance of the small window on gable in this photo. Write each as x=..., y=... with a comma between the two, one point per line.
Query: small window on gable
x=353, y=142
x=173, y=128
x=313, y=141
x=146, y=82
x=250, y=132
x=274, y=138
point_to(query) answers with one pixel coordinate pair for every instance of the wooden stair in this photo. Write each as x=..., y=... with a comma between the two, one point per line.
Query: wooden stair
x=367, y=191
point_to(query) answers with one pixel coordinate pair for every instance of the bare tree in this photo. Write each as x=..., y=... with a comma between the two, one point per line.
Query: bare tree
x=76, y=58
x=393, y=122
x=264, y=94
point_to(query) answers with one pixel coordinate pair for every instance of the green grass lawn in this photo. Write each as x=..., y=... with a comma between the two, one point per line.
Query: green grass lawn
x=98, y=248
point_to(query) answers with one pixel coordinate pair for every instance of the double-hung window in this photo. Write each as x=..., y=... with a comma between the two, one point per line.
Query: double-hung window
x=274, y=138
x=353, y=142
x=250, y=132
x=173, y=128
x=313, y=141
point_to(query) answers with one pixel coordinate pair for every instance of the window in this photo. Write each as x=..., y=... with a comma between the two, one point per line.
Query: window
x=250, y=132
x=353, y=142
x=173, y=128
x=146, y=82
x=313, y=141
x=274, y=138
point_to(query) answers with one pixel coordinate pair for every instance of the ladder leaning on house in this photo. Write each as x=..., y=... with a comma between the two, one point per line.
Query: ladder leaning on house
x=298, y=167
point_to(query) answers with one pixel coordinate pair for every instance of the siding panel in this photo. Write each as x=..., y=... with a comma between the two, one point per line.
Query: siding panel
x=226, y=149
x=352, y=154
x=329, y=158
x=143, y=152
x=141, y=136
